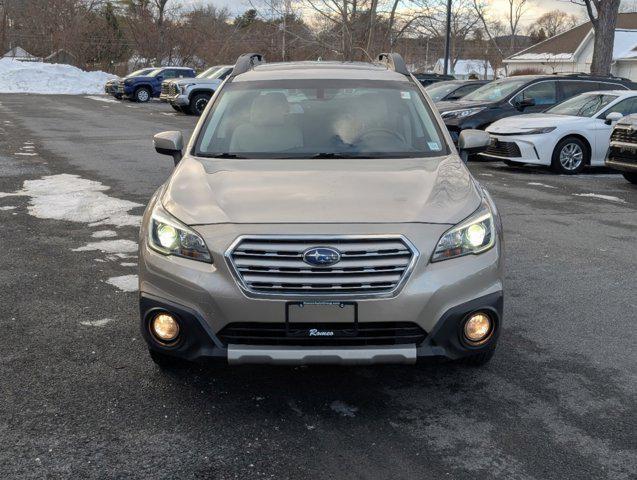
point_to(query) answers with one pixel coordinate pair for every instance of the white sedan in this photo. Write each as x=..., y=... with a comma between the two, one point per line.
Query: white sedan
x=568, y=136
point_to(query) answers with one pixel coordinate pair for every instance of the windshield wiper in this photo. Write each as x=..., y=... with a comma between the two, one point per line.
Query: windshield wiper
x=223, y=155
x=334, y=155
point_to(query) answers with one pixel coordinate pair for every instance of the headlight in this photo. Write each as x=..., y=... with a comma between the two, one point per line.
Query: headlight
x=536, y=131
x=474, y=235
x=467, y=112
x=169, y=236
x=128, y=82
x=185, y=88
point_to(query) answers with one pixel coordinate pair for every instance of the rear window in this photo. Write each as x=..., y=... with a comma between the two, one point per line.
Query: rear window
x=322, y=119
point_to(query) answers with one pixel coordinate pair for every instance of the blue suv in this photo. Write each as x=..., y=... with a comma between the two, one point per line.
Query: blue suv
x=143, y=88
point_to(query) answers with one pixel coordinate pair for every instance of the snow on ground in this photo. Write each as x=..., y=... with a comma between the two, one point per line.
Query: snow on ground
x=109, y=246
x=343, y=408
x=76, y=199
x=126, y=283
x=49, y=78
x=73, y=198
x=610, y=198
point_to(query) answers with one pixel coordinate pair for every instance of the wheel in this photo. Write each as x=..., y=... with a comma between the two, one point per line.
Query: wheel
x=478, y=360
x=167, y=361
x=142, y=95
x=177, y=107
x=570, y=156
x=198, y=103
x=630, y=176
x=510, y=163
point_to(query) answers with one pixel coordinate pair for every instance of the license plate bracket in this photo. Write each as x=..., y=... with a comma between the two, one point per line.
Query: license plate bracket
x=321, y=319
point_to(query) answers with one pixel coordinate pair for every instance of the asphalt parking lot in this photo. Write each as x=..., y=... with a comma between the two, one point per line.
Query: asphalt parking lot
x=81, y=398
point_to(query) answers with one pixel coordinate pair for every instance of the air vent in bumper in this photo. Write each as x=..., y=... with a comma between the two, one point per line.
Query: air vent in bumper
x=368, y=265
x=368, y=333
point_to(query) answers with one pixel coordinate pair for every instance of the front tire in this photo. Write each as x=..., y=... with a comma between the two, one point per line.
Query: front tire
x=631, y=177
x=142, y=95
x=570, y=156
x=167, y=362
x=177, y=107
x=198, y=103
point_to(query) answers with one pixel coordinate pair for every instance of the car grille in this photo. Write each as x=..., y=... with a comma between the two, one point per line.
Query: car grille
x=624, y=135
x=275, y=265
x=503, y=149
x=368, y=333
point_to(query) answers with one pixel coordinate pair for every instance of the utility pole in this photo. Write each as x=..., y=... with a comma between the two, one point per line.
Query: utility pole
x=286, y=12
x=5, y=16
x=448, y=39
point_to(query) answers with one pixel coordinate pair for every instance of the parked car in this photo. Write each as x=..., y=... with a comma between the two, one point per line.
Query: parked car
x=568, y=136
x=518, y=95
x=321, y=215
x=429, y=78
x=453, y=89
x=143, y=88
x=191, y=95
x=622, y=154
x=111, y=86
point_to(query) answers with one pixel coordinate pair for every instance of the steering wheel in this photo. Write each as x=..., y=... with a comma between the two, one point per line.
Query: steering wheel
x=382, y=132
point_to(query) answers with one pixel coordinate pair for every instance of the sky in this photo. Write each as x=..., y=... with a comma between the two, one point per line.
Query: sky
x=535, y=9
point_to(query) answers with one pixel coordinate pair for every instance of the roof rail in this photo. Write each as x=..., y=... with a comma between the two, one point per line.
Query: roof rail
x=395, y=62
x=247, y=62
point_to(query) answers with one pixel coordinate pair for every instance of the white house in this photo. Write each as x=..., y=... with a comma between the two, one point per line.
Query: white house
x=463, y=69
x=572, y=51
x=19, y=53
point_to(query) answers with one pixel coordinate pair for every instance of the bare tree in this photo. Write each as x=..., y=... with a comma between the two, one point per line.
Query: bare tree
x=603, y=15
x=432, y=21
x=552, y=23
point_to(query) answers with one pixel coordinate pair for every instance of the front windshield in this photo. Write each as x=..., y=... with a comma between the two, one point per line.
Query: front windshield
x=438, y=91
x=139, y=73
x=585, y=105
x=209, y=71
x=320, y=119
x=497, y=90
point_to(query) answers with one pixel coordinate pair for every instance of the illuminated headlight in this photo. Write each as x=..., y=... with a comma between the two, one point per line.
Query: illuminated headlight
x=537, y=131
x=467, y=112
x=169, y=236
x=474, y=235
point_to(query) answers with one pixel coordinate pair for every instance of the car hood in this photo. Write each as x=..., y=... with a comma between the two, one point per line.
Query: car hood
x=460, y=104
x=434, y=190
x=533, y=120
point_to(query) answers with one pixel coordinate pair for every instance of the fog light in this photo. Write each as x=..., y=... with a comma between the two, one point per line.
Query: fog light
x=165, y=327
x=478, y=328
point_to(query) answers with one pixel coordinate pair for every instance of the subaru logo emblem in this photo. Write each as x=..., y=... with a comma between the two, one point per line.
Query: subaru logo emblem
x=322, y=256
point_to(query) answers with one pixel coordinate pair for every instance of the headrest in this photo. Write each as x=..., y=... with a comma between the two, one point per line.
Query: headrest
x=270, y=109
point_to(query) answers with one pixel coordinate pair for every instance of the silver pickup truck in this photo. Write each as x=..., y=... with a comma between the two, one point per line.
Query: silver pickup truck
x=191, y=95
x=622, y=154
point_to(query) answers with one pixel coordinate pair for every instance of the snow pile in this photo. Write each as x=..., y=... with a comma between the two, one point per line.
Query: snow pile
x=49, y=78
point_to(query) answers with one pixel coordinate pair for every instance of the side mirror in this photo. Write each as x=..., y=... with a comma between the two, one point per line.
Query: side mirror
x=527, y=102
x=471, y=142
x=169, y=143
x=613, y=117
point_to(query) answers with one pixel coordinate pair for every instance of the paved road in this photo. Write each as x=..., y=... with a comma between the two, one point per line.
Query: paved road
x=81, y=399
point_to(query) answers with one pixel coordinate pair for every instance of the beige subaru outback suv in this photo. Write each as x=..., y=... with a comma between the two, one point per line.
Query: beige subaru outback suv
x=320, y=214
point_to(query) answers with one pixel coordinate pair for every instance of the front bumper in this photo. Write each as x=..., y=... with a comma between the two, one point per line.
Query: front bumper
x=533, y=149
x=178, y=100
x=199, y=341
x=436, y=297
x=622, y=157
